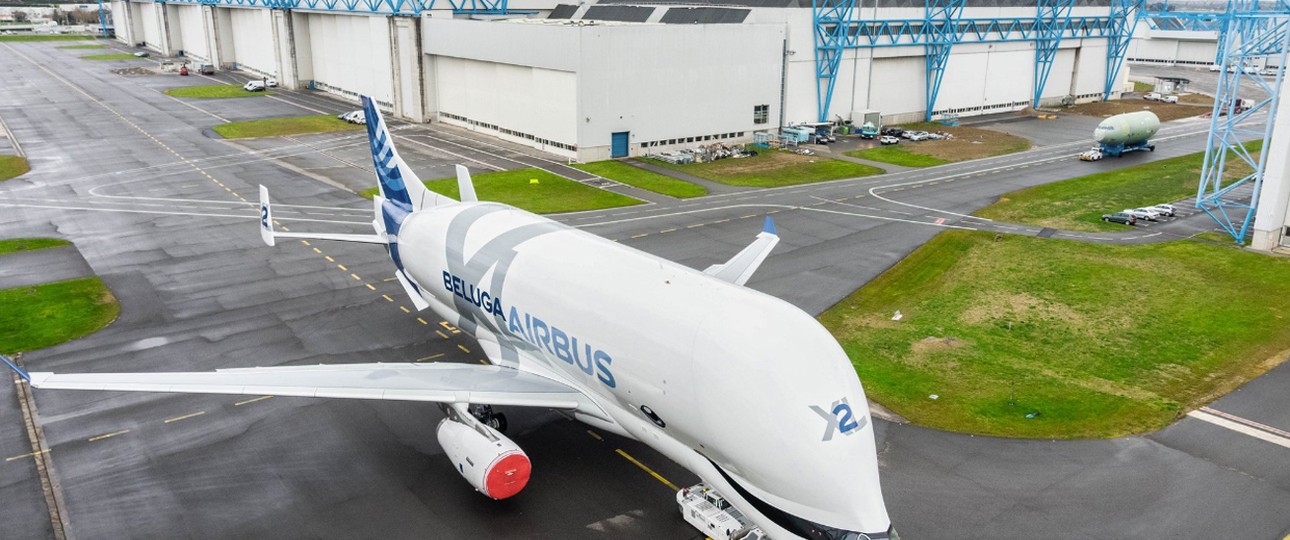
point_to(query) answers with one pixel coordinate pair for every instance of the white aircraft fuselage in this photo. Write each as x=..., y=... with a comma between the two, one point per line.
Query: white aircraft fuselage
x=745, y=390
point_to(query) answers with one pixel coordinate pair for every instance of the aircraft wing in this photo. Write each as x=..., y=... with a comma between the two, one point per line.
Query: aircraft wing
x=741, y=267
x=435, y=382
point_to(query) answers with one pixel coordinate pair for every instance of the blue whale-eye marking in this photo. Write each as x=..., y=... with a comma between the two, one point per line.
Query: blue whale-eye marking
x=21, y=372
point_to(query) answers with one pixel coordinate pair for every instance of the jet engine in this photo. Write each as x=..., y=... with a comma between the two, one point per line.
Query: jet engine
x=492, y=463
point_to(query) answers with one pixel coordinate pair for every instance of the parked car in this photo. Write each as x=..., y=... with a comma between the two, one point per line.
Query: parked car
x=1143, y=213
x=893, y=131
x=142, y=54
x=1152, y=96
x=1166, y=209
x=1120, y=217
x=271, y=83
x=888, y=139
x=254, y=86
x=1169, y=99
x=353, y=117
x=206, y=69
x=917, y=135
x=1215, y=67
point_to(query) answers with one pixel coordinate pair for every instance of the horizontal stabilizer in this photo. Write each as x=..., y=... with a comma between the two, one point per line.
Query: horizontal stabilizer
x=269, y=235
x=437, y=382
x=741, y=267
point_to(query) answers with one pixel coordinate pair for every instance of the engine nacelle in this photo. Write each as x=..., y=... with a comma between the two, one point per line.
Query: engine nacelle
x=492, y=463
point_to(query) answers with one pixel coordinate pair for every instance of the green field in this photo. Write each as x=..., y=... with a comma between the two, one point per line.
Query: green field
x=14, y=245
x=1142, y=87
x=897, y=155
x=637, y=177
x=773, y=168
x=49, y=314
x=552, y=194
x=1078, y=204
x=42, y=37
x=12, y=166
x=1095, y=340
x=115, y=56
x=83, y=47
x=214, y=91
x=277, y=127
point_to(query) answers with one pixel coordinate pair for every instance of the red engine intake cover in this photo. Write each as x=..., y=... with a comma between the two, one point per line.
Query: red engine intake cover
x=507, y=476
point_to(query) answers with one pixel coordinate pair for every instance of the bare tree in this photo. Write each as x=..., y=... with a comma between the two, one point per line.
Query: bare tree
x=20, y=16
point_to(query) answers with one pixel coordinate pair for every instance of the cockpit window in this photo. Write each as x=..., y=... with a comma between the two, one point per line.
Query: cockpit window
x=803, y=527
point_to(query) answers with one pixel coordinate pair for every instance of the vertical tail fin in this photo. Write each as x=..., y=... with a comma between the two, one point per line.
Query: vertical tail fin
x=397, y=181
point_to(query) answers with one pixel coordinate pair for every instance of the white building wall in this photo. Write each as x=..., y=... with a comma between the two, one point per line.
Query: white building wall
x=191, y=27
x=1272, y=219
x=252, y=41
x=350, y=54
x=1172, y=47
x=523, y=99
x=676, y=90
x=149, y=16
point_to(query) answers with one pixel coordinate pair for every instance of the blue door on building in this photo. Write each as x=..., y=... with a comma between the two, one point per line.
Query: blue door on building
x=619, y=148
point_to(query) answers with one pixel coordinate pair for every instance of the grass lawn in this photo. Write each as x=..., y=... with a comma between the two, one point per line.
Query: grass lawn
x=897, y=155
x=552, y=194
x=14, y=245
x=633, y=176
x=773, y=168
x=968, y=143
x=83, y=47
x=214, y=91
x=43, y=37
x=1095, y=340
x=1143, y=87
x=12, y=166
x=1166, y=111
x=49, y=314
x=1078, y=204
x=115, y=56
x=276, y=127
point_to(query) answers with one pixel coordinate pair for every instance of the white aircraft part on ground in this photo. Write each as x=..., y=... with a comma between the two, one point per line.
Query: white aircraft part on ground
x=746, y=390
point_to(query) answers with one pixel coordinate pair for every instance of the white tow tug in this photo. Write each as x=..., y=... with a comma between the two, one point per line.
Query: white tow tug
x=709, y=512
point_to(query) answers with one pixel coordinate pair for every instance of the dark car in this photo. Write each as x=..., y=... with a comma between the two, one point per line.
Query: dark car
x=893, y=131
x=1120, y=217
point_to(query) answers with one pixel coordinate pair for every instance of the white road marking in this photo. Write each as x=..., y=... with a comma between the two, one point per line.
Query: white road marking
x=1242, y=426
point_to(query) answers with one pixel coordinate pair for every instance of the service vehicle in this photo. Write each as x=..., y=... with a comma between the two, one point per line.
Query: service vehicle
x=712, y=514
x=888, y=139
x=353, y=117
x=868, y=131
x=1166, y=209
x=206, y=69
x=1120, y=217
x=254, y=86
x=1152, y=96
x=1092, y=154
x=142, y=54
x=271, y=83
x=1169, y=99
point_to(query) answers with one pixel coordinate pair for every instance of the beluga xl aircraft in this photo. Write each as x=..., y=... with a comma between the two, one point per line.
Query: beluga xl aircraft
x=745, y=390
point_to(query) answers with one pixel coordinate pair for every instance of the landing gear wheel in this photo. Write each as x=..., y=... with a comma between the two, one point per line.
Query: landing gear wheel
x=497, y=421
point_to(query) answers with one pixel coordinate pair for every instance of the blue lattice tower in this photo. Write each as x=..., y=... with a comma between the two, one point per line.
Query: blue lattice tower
x=942, y=28
x=1253, y=32
x=833, y=35
x=1052, y=19
x=1124, y=21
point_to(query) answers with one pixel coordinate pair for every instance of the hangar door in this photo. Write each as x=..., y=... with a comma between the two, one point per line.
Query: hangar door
x=619, y=144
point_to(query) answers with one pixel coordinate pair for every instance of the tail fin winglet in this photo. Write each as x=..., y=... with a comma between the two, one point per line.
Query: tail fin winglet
x=465, y=185
x=266, y=217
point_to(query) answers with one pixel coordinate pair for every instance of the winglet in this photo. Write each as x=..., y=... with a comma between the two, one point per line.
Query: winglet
x=465, y=185
x=266, y=217
x=741, y=267
x=769, y=226
x=21, y=372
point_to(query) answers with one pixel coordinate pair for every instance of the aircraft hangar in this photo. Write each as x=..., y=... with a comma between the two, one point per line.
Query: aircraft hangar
x=625, y=77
